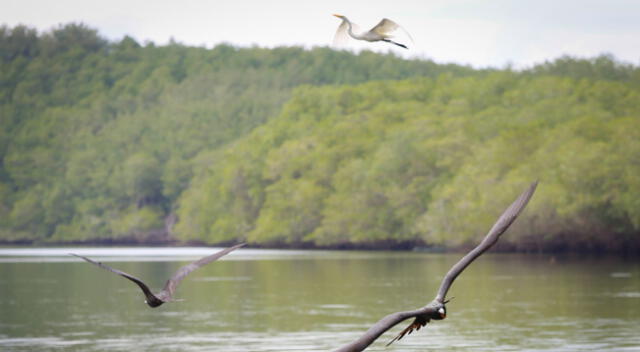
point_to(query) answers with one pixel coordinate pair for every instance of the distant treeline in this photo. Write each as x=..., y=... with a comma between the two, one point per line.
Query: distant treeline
x=115, y=141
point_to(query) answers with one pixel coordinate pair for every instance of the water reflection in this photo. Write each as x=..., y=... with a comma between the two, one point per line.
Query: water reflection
x=267, y=300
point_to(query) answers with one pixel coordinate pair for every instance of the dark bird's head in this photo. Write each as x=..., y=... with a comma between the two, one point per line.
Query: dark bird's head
x=153, y=301
x=437, y=310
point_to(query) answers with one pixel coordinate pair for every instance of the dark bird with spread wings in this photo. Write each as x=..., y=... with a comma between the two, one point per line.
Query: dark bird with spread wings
x=436, y=309
x=166, y=295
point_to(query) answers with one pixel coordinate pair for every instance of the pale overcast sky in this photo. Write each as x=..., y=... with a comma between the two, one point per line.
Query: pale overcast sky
x=476, y=32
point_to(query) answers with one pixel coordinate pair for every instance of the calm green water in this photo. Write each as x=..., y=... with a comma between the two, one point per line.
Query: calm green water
x=264, y=300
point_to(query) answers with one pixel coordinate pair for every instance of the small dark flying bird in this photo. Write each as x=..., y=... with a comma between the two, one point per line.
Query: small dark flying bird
x=166, y=295
x=436, y=309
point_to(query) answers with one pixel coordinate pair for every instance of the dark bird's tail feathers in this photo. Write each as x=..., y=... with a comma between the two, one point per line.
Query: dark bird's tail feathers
x=416, y=325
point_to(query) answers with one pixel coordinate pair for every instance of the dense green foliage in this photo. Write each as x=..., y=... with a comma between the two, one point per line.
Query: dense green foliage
x=434, y=161
x=108, y=141
x=99, y=139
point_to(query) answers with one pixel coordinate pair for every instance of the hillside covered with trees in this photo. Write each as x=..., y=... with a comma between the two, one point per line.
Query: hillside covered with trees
x=116, y=142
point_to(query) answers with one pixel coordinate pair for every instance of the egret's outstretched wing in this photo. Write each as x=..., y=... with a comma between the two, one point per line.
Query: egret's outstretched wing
x=500, y=226
x=385, y=27
x=357, y=30
x=145, y=289
x=388, y=29
x=180, y=274
x=400, y=28
x=342, y=34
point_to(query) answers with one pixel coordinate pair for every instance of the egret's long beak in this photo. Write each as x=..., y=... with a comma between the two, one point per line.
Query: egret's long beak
x=339, y=16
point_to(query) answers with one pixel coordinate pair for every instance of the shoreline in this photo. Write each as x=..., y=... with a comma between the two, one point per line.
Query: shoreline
x=414, y=246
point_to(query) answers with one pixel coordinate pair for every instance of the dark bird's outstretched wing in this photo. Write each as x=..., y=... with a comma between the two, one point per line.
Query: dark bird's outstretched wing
x=172, y=283
x=142, y=285
x=432, y=310
x=380, y=328
x=501, y=225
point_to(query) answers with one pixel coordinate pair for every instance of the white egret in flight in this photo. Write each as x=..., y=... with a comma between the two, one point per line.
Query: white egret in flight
x=383, y=31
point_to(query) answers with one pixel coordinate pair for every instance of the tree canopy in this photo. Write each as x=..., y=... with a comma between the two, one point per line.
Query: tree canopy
x=109, y=141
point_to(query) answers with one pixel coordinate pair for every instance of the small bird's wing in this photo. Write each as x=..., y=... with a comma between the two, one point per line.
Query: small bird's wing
x=172, y=283
x=502, y=224
x=142, y=285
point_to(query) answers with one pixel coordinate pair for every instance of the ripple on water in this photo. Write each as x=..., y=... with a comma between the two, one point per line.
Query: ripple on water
x=621, y=275
x=221, y=278
x=41, y=342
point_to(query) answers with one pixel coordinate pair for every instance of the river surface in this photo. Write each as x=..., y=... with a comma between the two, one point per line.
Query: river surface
x=289, y=300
